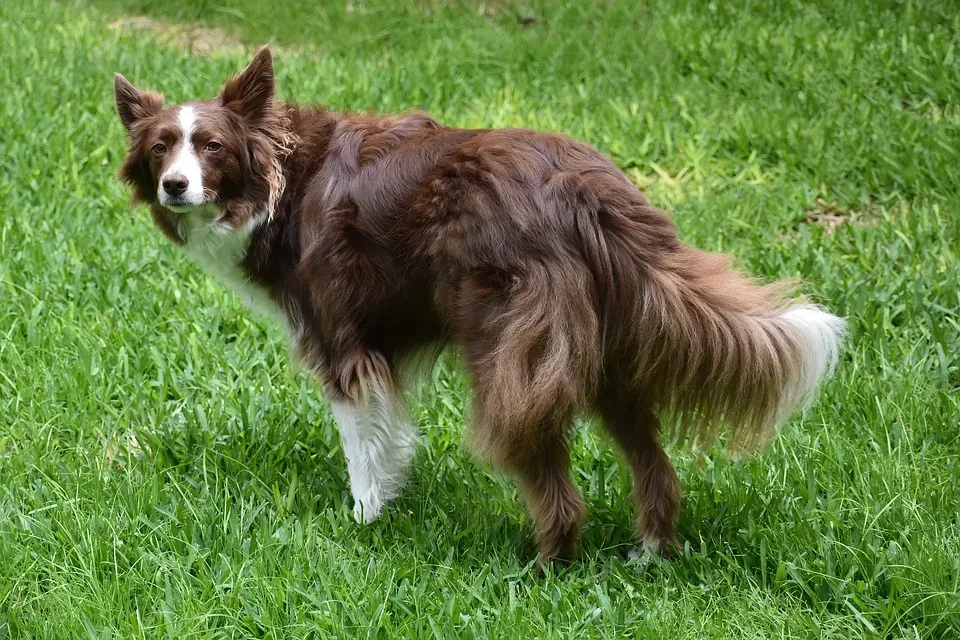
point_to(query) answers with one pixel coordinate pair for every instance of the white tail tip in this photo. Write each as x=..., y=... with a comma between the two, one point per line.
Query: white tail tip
x=820, y=335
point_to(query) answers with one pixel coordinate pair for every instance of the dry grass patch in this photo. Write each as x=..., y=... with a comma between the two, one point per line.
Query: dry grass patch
x=831, y=215
x=195, y=38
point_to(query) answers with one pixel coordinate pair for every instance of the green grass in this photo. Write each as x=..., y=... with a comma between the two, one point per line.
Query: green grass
x=166, y=472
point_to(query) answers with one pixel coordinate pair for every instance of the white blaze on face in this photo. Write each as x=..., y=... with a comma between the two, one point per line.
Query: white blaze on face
x=186, y=164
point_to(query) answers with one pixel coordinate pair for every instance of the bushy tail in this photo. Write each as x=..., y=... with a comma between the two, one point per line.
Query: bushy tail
x=719, y=350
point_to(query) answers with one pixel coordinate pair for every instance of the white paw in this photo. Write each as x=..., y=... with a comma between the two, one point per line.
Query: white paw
x=643, y=556
x=366, y=510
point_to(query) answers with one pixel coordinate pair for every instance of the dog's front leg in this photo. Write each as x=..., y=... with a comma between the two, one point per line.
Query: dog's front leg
x=376, y=431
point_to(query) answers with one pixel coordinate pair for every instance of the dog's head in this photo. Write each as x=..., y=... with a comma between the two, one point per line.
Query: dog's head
x=218, y=159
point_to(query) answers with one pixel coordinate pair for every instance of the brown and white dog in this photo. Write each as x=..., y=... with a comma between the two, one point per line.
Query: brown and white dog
x=381, y=237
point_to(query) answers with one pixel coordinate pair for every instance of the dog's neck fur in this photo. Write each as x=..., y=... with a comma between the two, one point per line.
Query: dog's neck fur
x=257, y=258
x=221, y=251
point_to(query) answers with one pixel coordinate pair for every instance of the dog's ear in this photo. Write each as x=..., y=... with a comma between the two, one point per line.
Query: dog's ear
x=251, y=93
x=133, y=104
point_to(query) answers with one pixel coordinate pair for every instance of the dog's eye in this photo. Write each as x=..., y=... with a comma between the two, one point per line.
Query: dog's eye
x=159, y=148
x=213, y=146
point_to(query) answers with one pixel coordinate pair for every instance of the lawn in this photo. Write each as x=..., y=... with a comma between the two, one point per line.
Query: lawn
x=165, y=470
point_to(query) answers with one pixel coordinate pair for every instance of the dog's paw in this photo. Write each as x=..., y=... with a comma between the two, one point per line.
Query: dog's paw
x=641, y=556
x=366, y=510
x=651, y=552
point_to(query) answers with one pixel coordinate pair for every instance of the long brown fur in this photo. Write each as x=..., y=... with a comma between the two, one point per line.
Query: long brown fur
x=564, y=289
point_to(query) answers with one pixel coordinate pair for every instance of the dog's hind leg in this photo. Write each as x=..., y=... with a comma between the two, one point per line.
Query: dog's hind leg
x=554, y=503
x=532, y=361
x=378, y=437
x=656, y=490
x=536, y=453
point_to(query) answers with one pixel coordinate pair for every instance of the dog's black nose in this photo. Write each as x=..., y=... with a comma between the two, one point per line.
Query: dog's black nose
x=175, y=184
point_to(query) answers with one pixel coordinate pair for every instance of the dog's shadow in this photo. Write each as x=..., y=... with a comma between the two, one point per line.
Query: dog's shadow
x=456, y=511
x=459, y=512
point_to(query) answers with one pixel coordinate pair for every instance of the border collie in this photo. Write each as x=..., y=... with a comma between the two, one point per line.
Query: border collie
x=381, y=237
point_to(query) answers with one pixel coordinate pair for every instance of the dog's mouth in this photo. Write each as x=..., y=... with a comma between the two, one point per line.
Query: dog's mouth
x=192, y=216
x=181, y=205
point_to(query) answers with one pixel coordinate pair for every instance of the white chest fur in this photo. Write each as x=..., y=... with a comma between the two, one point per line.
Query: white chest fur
x=219, y=251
